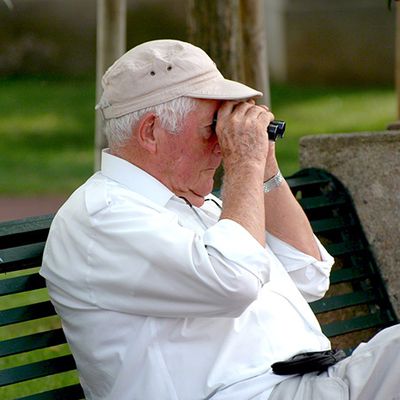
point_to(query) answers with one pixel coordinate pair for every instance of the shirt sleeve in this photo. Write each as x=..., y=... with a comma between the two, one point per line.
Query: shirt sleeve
x=144, y=262
x=310, y=275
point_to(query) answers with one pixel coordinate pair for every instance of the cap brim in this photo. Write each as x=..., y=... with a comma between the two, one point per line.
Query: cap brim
x=224, y=89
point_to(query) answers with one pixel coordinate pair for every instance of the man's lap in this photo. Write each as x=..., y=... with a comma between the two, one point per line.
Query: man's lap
x=370, y=373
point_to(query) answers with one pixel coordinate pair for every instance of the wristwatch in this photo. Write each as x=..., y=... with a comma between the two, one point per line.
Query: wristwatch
x=273, y=182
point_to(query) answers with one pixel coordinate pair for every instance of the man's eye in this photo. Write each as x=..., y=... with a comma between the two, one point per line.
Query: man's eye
x=214, y=123
x=208, y=132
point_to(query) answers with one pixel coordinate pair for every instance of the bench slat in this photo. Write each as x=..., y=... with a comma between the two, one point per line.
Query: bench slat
x=355, y=324
x=348, y=274
x=348, y=247
x=26, y=313
x=72, y=392
x=29, y=255
x=307, y=180
x=21, y=284
x=26, y=225
x=37, y=370
x=342, y=301
x=310, y=203
x=35, y=341
x=330, y=224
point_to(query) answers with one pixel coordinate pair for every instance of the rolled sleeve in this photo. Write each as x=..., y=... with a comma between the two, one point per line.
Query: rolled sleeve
x=310, y=275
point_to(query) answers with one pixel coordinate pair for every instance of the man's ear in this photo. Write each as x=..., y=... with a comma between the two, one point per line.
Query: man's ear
x=145, y=132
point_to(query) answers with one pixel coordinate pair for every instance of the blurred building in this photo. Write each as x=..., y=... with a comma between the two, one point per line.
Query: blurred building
x=320, y=41
x=59, y=36
x=331, y=41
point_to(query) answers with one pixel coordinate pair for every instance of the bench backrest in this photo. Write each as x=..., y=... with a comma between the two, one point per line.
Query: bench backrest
x=32, y=344
x=357, y=305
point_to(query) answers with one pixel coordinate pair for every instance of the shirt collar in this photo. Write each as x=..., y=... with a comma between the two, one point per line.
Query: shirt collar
x=134, y=178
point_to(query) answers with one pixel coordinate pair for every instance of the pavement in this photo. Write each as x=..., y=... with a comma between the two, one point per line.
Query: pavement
x=22, y=207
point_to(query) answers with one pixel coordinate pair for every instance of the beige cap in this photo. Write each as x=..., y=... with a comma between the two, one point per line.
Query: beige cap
x=162, y=70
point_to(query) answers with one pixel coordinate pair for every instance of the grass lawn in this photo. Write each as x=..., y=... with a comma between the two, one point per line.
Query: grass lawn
x=46, y=135
x=47, y=127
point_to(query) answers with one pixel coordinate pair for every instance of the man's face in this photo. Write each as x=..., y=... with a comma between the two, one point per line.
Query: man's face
x=191, y=157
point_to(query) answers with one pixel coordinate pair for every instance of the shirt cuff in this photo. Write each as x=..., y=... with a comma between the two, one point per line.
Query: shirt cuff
x=293, y=259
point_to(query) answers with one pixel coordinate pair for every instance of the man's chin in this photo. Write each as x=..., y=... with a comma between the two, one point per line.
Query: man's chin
x=197, y=196
x=197, y=199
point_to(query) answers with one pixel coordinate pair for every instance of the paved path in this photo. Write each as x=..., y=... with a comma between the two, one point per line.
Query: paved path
x=22, y=207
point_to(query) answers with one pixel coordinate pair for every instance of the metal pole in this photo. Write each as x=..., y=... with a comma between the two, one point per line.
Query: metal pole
x=110, y=44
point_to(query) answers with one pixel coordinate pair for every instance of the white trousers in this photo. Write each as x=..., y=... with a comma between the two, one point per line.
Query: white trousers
x=372, y=372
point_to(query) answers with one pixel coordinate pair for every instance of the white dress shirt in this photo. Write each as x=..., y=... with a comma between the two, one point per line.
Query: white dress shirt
x=159, y=300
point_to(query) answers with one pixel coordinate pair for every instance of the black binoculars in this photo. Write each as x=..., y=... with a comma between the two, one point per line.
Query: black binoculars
x=275, y=129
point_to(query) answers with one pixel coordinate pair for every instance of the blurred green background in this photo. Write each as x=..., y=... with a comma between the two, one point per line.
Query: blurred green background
x=338, y=77
x=47, y=125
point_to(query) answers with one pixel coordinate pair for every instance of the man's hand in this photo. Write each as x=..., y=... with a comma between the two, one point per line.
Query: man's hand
x=241, y=130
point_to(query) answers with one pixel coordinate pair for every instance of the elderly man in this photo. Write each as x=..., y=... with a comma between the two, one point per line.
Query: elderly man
x=164, y=291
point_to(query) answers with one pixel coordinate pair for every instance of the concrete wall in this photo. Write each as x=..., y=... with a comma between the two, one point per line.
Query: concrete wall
x=368, y=164
x=330, y=41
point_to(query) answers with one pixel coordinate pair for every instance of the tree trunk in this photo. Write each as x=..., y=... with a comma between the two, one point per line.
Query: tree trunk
x=232, y=33
x=214, y=25
x=255, y=47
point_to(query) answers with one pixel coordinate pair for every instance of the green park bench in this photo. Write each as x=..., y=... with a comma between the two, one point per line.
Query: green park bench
x=35, y=361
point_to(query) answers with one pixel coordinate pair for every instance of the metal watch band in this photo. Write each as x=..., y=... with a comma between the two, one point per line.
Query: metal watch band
x=274, y=182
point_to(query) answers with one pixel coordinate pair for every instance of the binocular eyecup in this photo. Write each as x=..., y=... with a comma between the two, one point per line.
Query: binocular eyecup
x=276, y=129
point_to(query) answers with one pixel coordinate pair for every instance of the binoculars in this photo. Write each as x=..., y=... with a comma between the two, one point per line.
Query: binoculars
x=275, y=129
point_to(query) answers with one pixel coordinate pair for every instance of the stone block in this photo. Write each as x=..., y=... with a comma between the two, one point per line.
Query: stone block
x=368, y=164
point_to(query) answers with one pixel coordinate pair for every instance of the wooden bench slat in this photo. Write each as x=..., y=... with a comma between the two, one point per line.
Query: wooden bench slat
x=310, y=203
x=72, y=392
x=26, y=225
x=37, y=370
x=29, y=255
x=35, y=341
x=329, y=224
x=348, y=274
x=348, y=247
x=304, y=181
x=26, y=313
x=357, y=323
x=21, y=284
x=342, y=301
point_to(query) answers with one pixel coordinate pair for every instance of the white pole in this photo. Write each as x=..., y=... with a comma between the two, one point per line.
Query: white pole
x=111, y=44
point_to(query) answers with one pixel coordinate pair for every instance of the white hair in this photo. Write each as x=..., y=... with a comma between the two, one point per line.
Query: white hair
x=171, y=115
